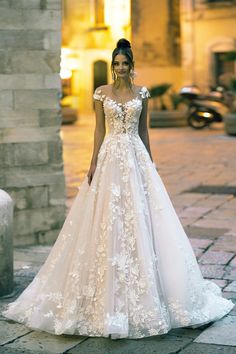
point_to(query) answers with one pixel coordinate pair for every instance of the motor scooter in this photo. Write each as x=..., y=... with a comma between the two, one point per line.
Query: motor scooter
x=204, y=110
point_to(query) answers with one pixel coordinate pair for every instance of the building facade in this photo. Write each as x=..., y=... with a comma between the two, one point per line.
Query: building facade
x=208, y=33
x=174, y=41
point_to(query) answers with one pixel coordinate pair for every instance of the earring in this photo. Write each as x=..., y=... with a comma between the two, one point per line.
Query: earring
x=113, y=76
x=132, y=74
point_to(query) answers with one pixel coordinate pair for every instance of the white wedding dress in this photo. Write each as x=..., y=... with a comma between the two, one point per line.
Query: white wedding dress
x=122, y=265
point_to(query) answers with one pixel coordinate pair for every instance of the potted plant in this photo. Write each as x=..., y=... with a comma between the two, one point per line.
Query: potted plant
x=166, y=106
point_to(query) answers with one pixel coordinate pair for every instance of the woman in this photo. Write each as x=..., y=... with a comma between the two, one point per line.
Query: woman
x=122, y=265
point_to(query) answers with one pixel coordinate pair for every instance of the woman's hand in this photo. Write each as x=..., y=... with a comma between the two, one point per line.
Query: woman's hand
x=91, y=173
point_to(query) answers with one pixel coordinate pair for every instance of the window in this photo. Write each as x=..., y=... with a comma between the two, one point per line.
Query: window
x=222, y=67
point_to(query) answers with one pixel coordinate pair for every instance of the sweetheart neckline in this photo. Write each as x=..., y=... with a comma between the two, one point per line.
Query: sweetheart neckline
x=122, y=104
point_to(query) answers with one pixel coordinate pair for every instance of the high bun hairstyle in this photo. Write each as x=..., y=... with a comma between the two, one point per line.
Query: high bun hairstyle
x=123, y=46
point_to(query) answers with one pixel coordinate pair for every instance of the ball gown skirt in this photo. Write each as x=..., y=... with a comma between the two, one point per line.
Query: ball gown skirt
x=122, y=265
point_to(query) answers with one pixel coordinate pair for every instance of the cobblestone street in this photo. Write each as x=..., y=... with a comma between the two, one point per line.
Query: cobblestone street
x=198, y=169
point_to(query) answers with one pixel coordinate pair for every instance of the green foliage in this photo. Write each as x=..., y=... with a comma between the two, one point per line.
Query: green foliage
x=163, y=98
x=159, y=90
x=176, y=99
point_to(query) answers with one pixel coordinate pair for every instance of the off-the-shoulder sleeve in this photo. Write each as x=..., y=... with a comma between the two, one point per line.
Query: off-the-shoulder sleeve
x=98, y=95
x=144, y=93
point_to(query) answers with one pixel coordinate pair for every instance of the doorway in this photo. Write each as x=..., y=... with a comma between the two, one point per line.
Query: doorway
x=99, y=73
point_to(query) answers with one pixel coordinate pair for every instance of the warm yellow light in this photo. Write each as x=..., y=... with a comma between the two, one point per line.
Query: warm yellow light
x=117, y=16
x=69, y=62
x=73, y=63
x=65, y=73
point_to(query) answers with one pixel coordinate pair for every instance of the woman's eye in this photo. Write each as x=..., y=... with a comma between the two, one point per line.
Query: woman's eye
x=124, y=63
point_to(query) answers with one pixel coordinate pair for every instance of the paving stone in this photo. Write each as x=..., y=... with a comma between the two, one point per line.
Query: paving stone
x=187, y=221
x=27, y=271
x=21, y=264
x=233, y=262
x=212, y=271
x=204, y=232
x=233, y=311
x=231, y=287
x=220, y=282
x=200, y=243
x=223, y=213
x=225, y=243
x=197, y=348
x=184, y=332
x=187, y=199
x=216, y=257
x=44, y=342
x=4, y=350
x=230, y=273
x=156, y=344
x=216, y=223
x=215, y=201
x=10, y=330
x=198, y=252
x=232, y=203
x=193, y=211
x=32, y=254
x=221, y=332
x=230, y=295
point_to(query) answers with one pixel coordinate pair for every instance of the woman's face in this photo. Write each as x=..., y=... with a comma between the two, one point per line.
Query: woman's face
x=121, y=66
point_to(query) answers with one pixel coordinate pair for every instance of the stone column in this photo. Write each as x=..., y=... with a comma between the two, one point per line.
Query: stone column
x=6, y=248
x=31, y=165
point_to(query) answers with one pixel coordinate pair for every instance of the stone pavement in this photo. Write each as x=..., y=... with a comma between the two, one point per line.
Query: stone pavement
x=186, y=159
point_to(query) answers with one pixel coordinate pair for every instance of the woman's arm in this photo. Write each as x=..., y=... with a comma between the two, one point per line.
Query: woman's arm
x=99, y=134
x=143, y=131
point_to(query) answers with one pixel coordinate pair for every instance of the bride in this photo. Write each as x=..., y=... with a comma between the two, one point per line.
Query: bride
x=122, y=265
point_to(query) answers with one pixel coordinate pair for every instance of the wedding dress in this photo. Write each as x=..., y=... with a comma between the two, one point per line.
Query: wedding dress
x=122, y=265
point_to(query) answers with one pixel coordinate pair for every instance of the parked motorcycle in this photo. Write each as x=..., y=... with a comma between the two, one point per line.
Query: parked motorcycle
x=204, y=109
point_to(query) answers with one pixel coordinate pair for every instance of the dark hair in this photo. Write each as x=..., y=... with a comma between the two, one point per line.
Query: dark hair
x=123, y=46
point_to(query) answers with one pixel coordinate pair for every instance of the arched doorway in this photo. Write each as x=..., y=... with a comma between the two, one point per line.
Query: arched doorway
x=99, y=73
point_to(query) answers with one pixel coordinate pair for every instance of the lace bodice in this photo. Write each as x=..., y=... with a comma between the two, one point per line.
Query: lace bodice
x=122, y=117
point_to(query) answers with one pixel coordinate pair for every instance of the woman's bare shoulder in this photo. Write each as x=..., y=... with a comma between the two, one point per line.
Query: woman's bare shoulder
x=138, y=88
x=104, y=88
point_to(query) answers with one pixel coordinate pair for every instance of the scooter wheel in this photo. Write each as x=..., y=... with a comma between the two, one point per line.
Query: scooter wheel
x=196, y=122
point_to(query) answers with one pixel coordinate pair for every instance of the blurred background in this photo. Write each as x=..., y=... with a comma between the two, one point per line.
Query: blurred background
x=181, y=42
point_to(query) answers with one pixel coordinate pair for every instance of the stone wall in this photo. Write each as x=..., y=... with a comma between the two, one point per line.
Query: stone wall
x=208, y=28
x=31, y=165
x=156, y=42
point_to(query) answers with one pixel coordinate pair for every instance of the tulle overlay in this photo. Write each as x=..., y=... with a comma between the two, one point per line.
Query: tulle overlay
x=122, y=264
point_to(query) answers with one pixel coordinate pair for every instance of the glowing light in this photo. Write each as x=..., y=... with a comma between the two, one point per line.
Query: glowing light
x=69, y=62
x=65, y=73
x=117, y=16
x=205, y=114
